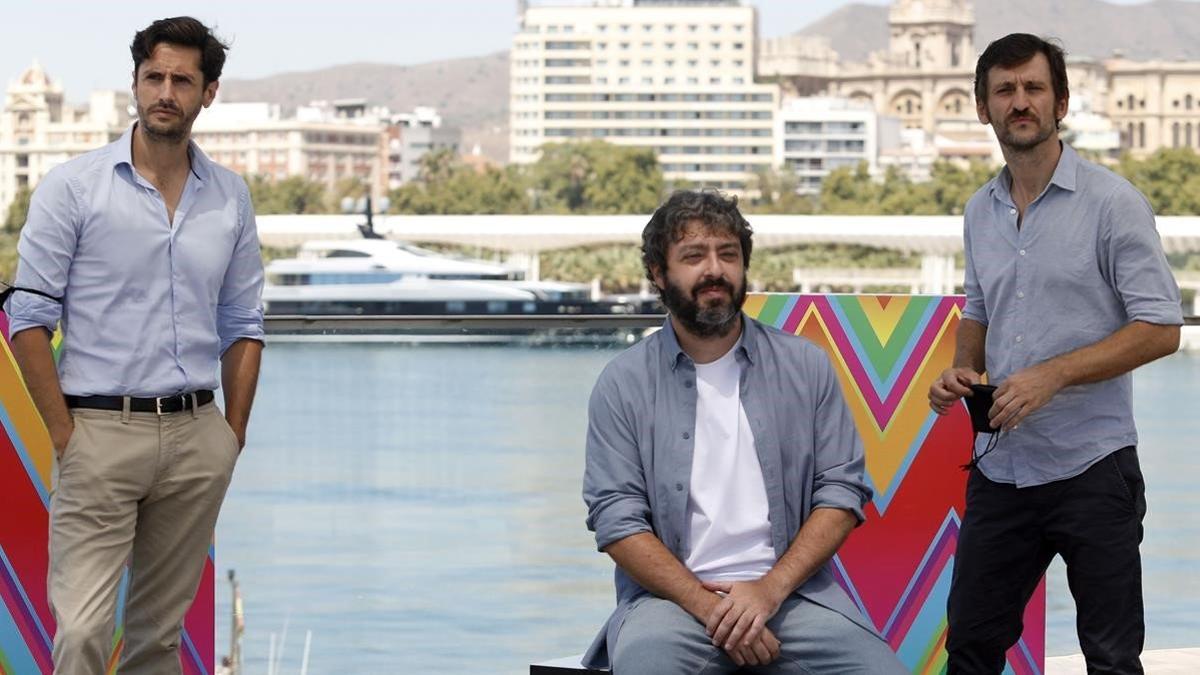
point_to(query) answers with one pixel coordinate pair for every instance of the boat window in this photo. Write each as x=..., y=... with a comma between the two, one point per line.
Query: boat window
x=344, y=253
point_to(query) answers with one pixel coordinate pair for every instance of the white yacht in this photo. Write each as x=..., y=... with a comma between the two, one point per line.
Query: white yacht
x=383, y=277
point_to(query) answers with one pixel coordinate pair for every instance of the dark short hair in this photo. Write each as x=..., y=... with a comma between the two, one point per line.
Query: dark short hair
x=1017, y=48
x=182, y=31
x=669, y=222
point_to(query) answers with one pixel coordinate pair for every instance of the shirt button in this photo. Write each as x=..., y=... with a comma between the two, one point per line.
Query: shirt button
x=1012, y=212
x=1022, y=251
x=679, y=487
x=1019, y=338
x=1020, y=294
x=686, y=435
x=688, y=384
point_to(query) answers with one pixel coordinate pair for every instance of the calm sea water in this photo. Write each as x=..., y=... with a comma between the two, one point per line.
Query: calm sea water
x=417, y=509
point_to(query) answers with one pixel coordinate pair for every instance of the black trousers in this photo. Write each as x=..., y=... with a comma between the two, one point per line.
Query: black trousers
x=1008, y=538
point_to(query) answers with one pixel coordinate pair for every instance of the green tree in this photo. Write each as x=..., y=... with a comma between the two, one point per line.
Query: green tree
x=1170, y=179
x=777, y=192
x=445, y=185
x=294, y=194
x=18, y=210
x=847, y=191
x=596, y=177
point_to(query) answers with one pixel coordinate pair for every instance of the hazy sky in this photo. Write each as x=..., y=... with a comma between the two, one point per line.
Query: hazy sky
x=85, y=44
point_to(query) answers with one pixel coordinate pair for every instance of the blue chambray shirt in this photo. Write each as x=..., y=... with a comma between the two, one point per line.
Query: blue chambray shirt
x=641, y=437
x=148, y=305
x=1086, y=261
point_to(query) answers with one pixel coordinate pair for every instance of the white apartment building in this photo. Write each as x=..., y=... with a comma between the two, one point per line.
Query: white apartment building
x=411, y=136
x=814, y=136
x=38, y=131
x=676, y=76
x=324, y=142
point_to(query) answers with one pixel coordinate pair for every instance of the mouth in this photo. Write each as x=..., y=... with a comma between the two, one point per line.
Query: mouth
x=710, y=291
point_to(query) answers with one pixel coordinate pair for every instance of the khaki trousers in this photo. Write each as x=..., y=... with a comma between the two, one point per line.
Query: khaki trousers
x=144, y=488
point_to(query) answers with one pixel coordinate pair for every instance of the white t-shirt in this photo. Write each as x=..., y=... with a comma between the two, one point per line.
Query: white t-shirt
x=730, y=533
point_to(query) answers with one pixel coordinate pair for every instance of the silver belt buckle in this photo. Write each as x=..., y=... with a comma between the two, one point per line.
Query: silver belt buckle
x=158, y=401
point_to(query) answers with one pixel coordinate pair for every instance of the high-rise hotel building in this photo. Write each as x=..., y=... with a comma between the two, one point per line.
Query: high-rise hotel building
x=673, y=75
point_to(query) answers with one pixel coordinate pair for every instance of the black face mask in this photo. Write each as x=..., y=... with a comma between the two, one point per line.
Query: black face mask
x=978, y=404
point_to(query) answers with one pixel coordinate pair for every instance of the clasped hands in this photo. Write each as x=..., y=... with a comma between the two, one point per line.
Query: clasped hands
x=1016, y=398
x=737, y=621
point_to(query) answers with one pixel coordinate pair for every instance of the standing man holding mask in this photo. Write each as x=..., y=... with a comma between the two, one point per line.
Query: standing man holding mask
x=1068, y=291
x=153, y=251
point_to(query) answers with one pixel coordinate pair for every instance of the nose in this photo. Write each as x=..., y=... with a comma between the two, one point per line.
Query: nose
x=1020, y=99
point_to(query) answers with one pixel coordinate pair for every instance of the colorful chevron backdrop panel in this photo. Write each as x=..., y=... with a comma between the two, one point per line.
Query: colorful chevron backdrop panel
x=887, y=349
x=26, y=623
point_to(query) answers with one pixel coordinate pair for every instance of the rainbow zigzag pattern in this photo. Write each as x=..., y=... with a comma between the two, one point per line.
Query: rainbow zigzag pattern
x=897, y=566
x=26, y=622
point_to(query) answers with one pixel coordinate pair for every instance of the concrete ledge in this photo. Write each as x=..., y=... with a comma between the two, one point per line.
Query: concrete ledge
x=1156, y=662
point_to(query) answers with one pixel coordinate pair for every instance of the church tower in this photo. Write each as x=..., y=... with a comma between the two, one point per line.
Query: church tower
x=932, y=35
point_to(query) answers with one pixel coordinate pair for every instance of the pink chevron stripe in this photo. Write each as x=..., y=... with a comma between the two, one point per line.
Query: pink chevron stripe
x=928, y=334
x=11, y=599
x=882, y=410
x=926, y=578
x=845, y=348
x=792, y=323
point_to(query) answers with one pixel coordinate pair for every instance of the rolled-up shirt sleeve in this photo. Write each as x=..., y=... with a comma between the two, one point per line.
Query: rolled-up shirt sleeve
x=838, y=452
x=44, y=253
x=1137, y=266
x=239, y=305
x=614, y=484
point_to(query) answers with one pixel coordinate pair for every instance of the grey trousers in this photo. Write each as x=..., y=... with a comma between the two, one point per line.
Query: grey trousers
x=659, y=638
x=147, y=489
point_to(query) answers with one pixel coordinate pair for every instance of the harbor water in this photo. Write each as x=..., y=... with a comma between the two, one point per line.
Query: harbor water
x=417, y=508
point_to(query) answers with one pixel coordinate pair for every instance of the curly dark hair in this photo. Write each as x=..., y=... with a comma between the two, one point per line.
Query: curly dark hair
x=716, y=211
x=182, y=31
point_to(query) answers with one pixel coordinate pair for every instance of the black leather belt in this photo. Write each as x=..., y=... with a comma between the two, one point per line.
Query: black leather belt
x=161, y=405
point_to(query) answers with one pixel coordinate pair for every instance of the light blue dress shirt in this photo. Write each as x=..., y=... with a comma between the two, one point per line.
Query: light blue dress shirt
x=642, y=434
x=149, y=305
x=1085, y=262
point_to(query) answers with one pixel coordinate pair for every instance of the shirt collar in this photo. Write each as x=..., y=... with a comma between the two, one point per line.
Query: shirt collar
x=746, y=346
x=1063, y=177
x=122, y=154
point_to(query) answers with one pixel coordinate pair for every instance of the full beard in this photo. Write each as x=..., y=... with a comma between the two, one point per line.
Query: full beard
x=713, y=320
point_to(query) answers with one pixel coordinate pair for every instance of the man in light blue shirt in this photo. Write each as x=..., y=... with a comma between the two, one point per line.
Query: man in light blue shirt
x=148, y=255
x=1068, y=291
x=723, y=472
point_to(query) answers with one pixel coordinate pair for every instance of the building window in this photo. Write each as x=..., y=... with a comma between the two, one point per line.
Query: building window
x=1141, y=134
x=1187, y=135
x=1187, y=102
x=1175, y=135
